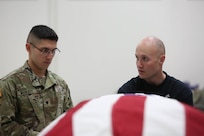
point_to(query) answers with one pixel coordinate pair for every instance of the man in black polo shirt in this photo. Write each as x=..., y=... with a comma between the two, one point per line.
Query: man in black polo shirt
x=150, y=56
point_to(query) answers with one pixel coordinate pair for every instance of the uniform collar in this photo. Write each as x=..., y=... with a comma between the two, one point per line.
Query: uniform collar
x=50, y=80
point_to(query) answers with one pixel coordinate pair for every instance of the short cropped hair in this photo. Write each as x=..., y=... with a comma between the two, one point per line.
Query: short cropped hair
x=42, y=32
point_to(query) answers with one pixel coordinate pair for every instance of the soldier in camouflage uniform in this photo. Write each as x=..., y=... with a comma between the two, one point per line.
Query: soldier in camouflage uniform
x=32, y=96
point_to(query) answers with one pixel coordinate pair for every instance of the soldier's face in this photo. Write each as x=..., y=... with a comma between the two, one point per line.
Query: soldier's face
x=42, y=53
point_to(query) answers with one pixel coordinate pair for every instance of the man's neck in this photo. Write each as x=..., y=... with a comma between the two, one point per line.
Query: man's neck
x=38, y=72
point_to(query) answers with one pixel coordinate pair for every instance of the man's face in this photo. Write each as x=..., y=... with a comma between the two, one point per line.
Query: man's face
x=38, y=57
x=147, y=61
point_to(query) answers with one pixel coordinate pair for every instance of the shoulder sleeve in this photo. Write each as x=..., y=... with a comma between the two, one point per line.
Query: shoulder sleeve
x=8, y=108
x=187, y=96
x=185, y=93
x=128, y=87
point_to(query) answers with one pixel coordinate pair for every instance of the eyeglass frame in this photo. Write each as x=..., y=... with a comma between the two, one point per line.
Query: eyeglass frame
x=45, y=51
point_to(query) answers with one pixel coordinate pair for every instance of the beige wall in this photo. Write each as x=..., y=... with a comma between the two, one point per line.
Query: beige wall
x=98, y=39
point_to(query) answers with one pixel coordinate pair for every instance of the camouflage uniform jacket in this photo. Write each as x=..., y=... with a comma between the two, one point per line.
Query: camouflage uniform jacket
x=26, y=106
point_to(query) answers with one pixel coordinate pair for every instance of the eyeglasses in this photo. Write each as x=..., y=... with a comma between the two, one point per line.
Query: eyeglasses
x=46, y=51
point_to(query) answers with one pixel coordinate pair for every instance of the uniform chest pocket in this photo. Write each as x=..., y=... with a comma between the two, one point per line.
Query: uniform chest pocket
x=26, y=100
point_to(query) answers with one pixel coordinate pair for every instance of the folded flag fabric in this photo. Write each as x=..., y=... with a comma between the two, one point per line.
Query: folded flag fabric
x=128, y=115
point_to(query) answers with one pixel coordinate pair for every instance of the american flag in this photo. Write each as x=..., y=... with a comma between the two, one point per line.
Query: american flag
x=128, y=115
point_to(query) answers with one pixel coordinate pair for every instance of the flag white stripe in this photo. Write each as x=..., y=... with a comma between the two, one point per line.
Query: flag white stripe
x=161, y=119
x=94, y=118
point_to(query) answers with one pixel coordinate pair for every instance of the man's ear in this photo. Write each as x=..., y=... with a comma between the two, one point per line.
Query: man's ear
x=162, y=58
x=28, y=47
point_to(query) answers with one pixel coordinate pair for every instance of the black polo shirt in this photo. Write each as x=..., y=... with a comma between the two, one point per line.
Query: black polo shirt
x=170, y=87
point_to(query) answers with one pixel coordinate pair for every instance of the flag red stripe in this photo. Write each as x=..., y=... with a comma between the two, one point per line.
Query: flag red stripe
x=127, y=116
x=194, y=121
